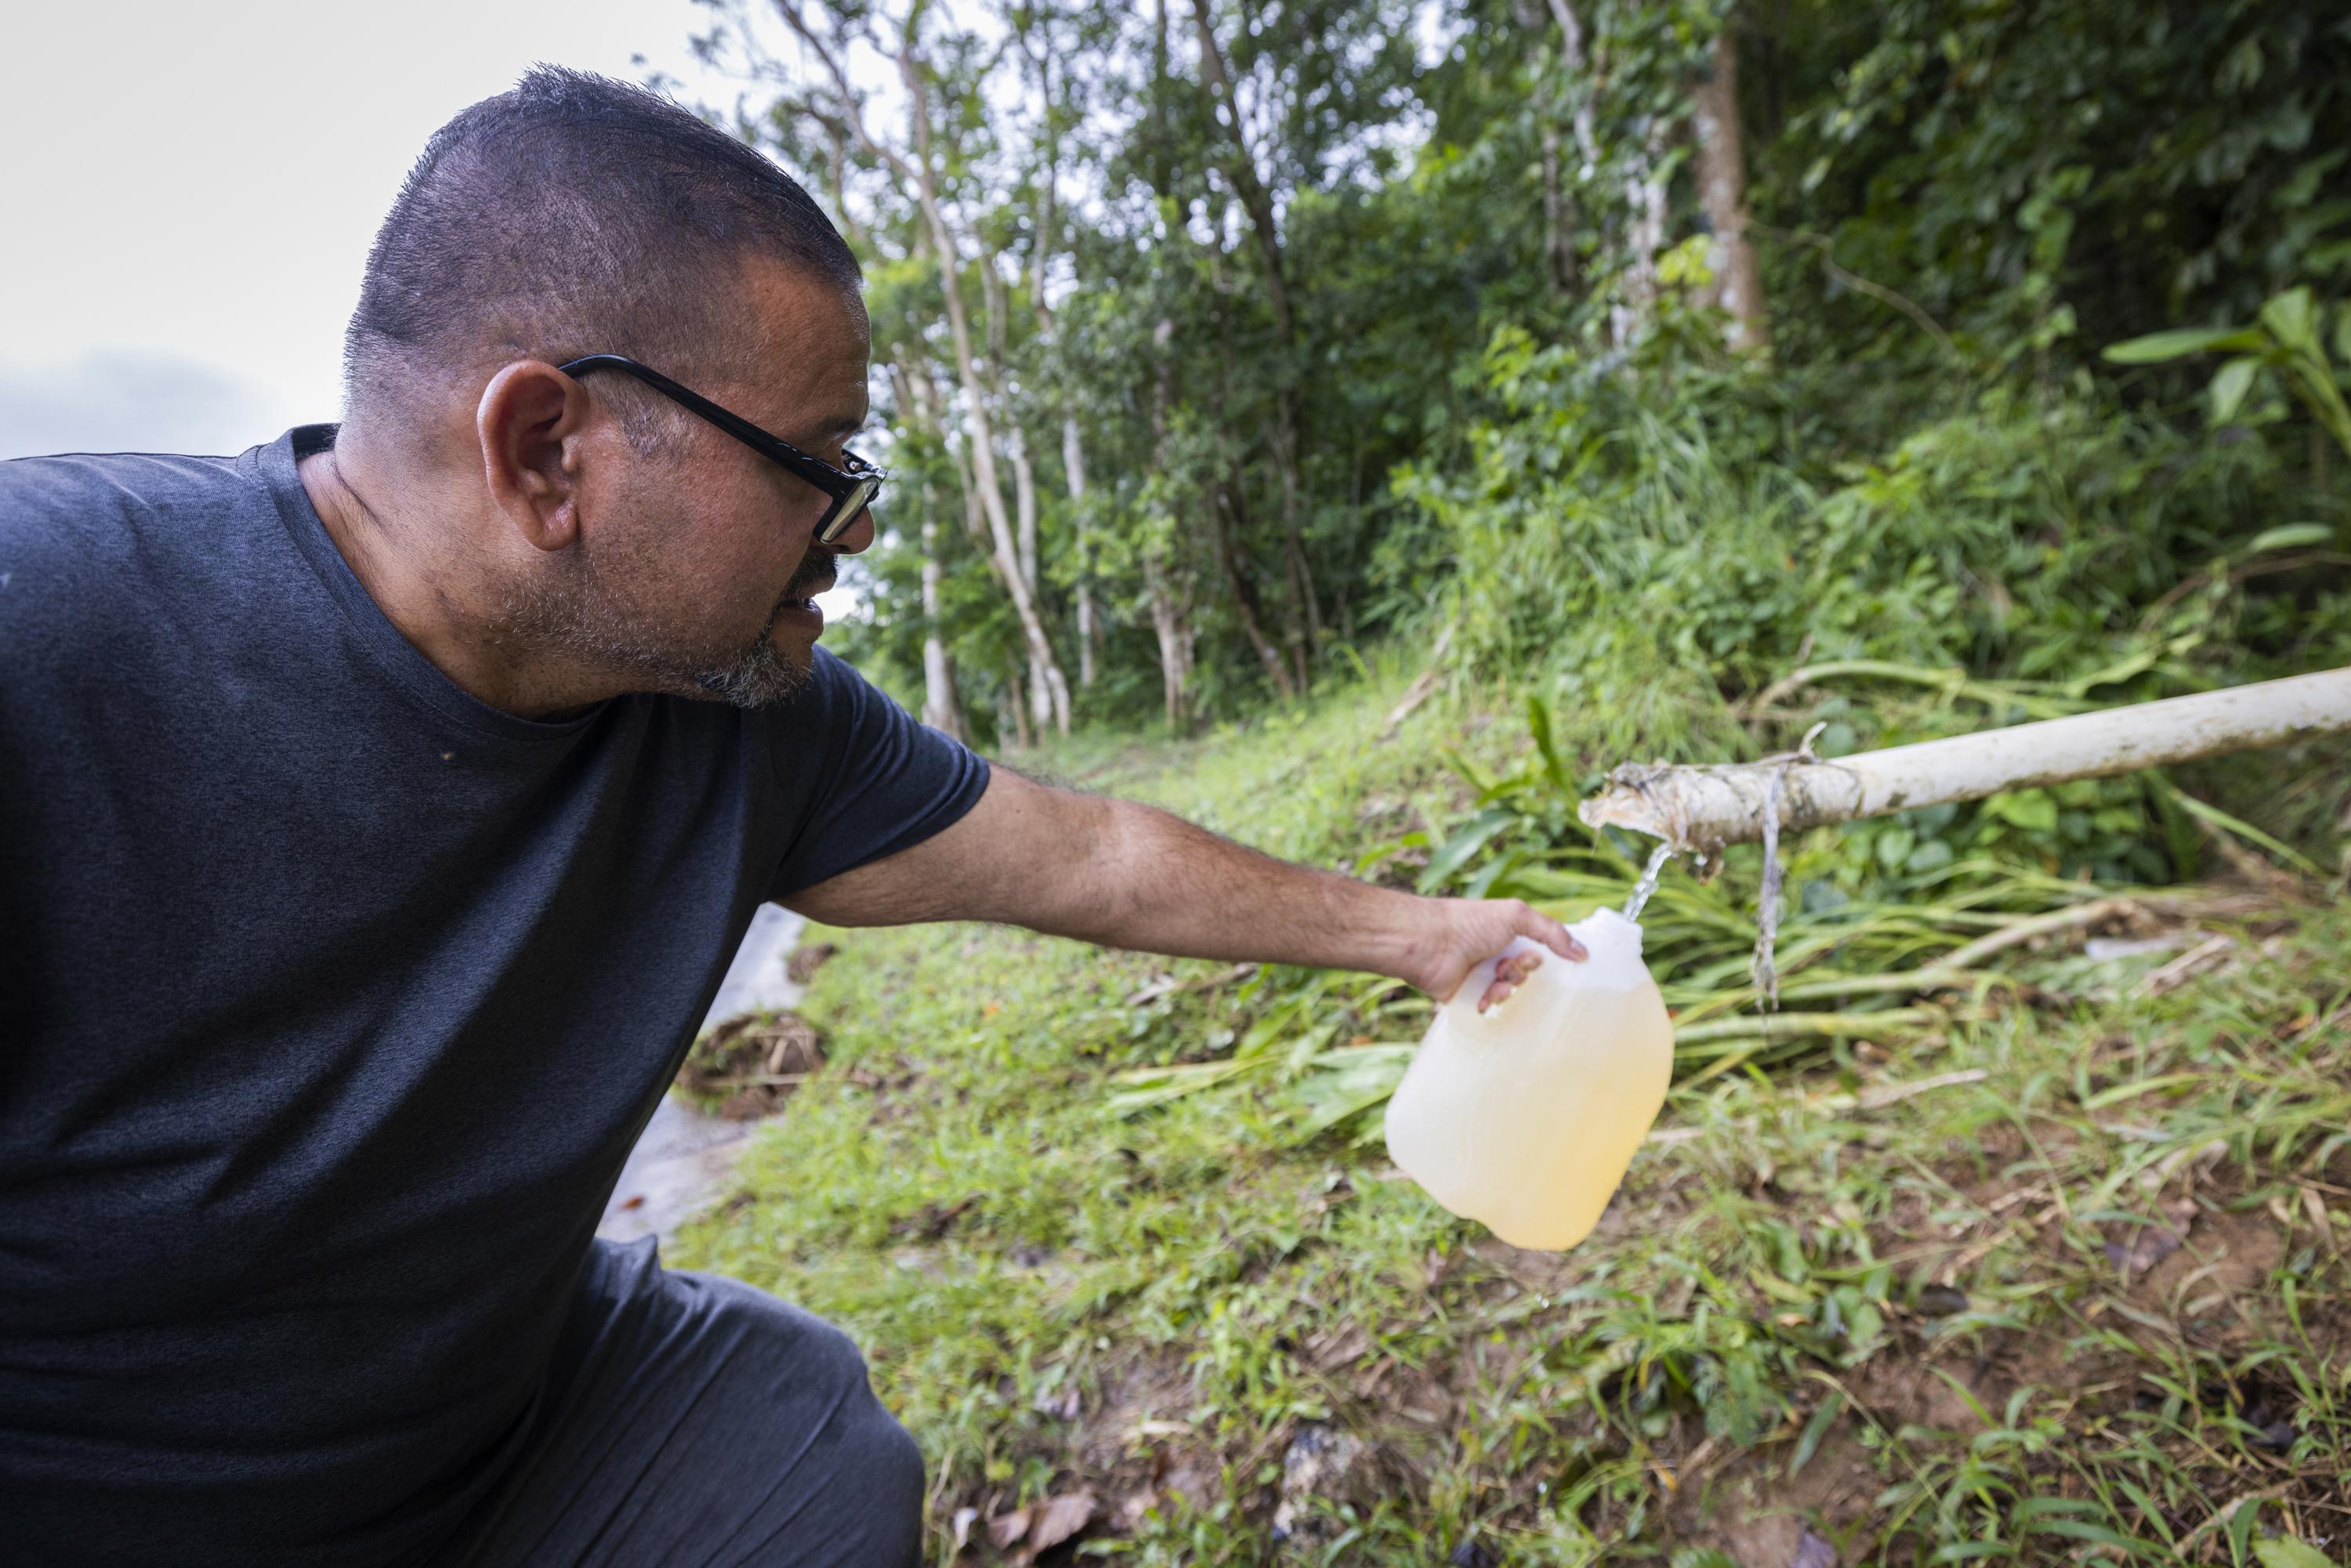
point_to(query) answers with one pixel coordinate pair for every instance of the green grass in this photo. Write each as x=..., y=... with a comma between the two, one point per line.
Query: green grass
x=1819, y=1304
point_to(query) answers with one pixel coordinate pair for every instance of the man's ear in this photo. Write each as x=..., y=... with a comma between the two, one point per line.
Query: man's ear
x=531, y=423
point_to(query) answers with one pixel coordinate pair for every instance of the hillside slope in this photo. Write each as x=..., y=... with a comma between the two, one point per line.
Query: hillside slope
x=2049, y=1272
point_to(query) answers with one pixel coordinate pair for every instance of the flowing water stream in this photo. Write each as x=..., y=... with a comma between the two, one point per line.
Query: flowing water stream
x=1648, y=883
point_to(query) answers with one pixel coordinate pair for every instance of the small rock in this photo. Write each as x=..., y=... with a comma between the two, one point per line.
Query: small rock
x=1811, y=1552
x=2138, y=1248
x=1322, y=1464
x=1941, y=1301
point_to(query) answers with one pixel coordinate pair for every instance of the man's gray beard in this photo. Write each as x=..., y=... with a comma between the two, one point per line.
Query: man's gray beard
x=580, y=616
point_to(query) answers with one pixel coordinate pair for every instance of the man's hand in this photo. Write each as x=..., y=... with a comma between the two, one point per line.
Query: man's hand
x=1463, y=933
x=1127, y=875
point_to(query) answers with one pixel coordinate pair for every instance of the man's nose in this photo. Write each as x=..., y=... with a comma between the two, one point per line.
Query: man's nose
x=858, y=535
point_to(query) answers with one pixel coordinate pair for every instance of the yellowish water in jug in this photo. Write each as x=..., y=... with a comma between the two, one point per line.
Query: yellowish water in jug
x=1525, y=1117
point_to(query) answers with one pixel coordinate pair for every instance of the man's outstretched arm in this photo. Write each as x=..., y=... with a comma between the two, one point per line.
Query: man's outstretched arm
x=1129, y=875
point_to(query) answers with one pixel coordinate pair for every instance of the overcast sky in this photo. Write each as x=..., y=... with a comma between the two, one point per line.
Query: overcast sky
x=187, y=191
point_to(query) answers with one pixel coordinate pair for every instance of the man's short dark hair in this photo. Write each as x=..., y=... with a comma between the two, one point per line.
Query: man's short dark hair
x=574, y=214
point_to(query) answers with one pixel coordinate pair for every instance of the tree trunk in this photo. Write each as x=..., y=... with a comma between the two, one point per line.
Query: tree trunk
x=1171, y=622
x=918, y=403
x=1305, y=610
x=1243, y=169
x=1738, y=286
x=1024, y=507
x=1009, y=706
x=1166, y=585
x=1074, y=463
x=1258, y=201
x=1645, y=236
x=1223, y=532
x=918, y=173
x=981, y=431
x=1571, y=55
x=941, y=708
x=1558, y=250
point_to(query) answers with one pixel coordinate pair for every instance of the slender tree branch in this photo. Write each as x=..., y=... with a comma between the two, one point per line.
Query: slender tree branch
x=1859, y=284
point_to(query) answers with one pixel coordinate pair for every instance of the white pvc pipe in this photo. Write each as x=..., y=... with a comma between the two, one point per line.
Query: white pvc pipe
x=1706, y=808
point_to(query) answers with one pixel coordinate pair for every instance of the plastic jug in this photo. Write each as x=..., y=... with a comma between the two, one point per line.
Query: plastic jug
x=1525, y=1116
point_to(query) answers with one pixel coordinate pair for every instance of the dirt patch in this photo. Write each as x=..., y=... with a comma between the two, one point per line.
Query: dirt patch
x=1762, y=1515
x=749, y=1067
x=2224, y=1258
x=807, y=959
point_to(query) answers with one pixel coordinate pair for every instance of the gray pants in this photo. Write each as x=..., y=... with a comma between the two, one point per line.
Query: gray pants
x=693, y=1420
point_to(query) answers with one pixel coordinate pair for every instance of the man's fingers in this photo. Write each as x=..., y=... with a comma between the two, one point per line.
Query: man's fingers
x=1541, y=927
x=1509, y=975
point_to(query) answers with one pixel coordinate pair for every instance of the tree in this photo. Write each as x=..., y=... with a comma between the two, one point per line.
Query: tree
x=918, y=166
x=1738, y=286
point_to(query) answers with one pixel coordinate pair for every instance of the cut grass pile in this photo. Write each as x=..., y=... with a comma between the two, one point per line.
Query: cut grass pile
x=2055, y=1276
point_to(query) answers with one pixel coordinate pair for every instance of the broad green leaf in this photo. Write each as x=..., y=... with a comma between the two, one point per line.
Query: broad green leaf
x=2033, y=809
x=1468, y=842
x=2230, y=386
x=2120, y=671
x=2293, y=535
x=2293, y=319
x=2156, y=347
x=1538, y=725
x=1814, y=1430
x=2284, y=1554
x=1347, y=1081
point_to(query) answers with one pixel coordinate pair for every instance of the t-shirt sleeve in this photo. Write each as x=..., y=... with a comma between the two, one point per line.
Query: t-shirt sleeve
x=868, y=778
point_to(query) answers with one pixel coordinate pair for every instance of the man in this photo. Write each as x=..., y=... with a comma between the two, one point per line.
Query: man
x=378, y=810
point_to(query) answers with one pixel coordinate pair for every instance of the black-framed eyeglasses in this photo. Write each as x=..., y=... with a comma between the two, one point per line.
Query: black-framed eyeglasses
x=852, y=485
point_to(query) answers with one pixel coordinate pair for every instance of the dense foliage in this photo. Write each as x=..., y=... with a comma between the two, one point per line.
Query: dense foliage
x=1221, y=340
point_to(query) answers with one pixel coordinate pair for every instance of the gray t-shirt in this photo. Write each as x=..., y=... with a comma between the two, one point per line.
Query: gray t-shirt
x=330, y=1001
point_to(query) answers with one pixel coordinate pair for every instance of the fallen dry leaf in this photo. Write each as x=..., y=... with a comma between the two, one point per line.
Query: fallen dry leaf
x=1007, y=1528
x=1333, y=1348
x=1059, y=1518
x=2202, y=958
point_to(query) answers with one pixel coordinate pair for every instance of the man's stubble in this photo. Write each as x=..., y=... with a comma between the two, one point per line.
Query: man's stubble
x=587, y=609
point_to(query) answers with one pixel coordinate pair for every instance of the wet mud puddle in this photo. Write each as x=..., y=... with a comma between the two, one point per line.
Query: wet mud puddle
x=685, y=1159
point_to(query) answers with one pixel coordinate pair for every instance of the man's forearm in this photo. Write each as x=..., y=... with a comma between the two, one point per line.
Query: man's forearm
x=1129, y=875
x=1160, y=884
